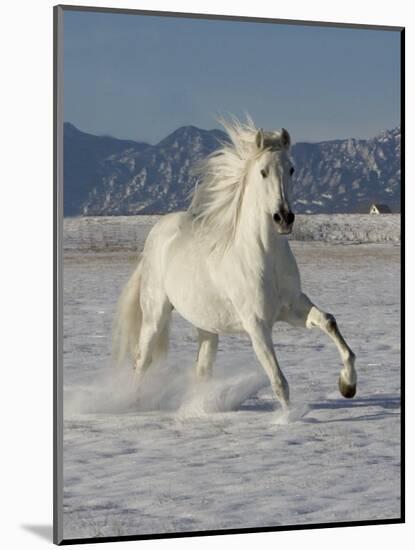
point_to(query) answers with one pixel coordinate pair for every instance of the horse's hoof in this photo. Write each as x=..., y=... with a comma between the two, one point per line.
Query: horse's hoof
x=347, y=390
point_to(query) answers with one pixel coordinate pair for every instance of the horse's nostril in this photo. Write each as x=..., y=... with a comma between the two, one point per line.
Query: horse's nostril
x=277, y=217
x=290, y=218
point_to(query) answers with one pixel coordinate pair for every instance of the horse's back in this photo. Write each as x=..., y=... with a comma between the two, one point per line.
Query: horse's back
x=160, y=238
x=168, y=224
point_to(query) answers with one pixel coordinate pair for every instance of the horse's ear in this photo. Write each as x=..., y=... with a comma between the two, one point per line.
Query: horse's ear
x=285, y=139
x=259, y=139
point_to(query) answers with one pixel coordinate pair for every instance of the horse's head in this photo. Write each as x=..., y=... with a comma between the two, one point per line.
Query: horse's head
x=271, y=173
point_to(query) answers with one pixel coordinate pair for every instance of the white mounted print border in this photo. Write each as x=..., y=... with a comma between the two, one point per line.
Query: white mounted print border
x=216, y=180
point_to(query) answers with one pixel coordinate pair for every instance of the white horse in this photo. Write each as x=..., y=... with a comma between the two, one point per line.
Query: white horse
x=226, y=265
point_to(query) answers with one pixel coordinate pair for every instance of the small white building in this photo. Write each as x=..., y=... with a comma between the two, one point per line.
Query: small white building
x=379, y=209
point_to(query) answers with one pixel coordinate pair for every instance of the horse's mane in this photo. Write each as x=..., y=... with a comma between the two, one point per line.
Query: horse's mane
x=217, y=197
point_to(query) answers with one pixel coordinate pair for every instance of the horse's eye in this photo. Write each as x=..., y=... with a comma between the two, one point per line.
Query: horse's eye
x=291, y=170
x=263, y=173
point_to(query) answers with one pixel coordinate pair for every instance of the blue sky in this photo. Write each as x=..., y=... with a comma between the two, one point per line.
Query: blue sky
x=141, y=77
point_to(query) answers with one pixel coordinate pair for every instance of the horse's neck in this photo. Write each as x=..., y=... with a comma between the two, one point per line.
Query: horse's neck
x=257, y=238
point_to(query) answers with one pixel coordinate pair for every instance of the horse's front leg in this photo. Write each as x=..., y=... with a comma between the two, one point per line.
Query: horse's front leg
x=305, y=313
x=327, y=323
x=261, y=338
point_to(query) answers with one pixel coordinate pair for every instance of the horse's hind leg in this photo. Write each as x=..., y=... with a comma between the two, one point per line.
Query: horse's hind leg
x=153, y=335
x=208, y=345
x=305, y=313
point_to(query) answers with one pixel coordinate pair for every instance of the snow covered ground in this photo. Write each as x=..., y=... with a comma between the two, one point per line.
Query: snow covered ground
x=111, y=233
x=187, y=457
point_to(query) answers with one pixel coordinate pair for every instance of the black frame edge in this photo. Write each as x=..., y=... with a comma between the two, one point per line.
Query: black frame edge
x=245, y=531
x=242, y=18
x=57, y=275
x=402, y=294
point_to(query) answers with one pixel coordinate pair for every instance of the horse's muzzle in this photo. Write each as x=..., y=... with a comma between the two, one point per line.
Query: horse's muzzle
x=284, y=220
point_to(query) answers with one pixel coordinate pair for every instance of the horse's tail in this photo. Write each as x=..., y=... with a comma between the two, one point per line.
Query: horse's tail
x=128, y=319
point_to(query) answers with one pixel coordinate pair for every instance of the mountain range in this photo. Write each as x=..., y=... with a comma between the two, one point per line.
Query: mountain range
x=109, y=176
